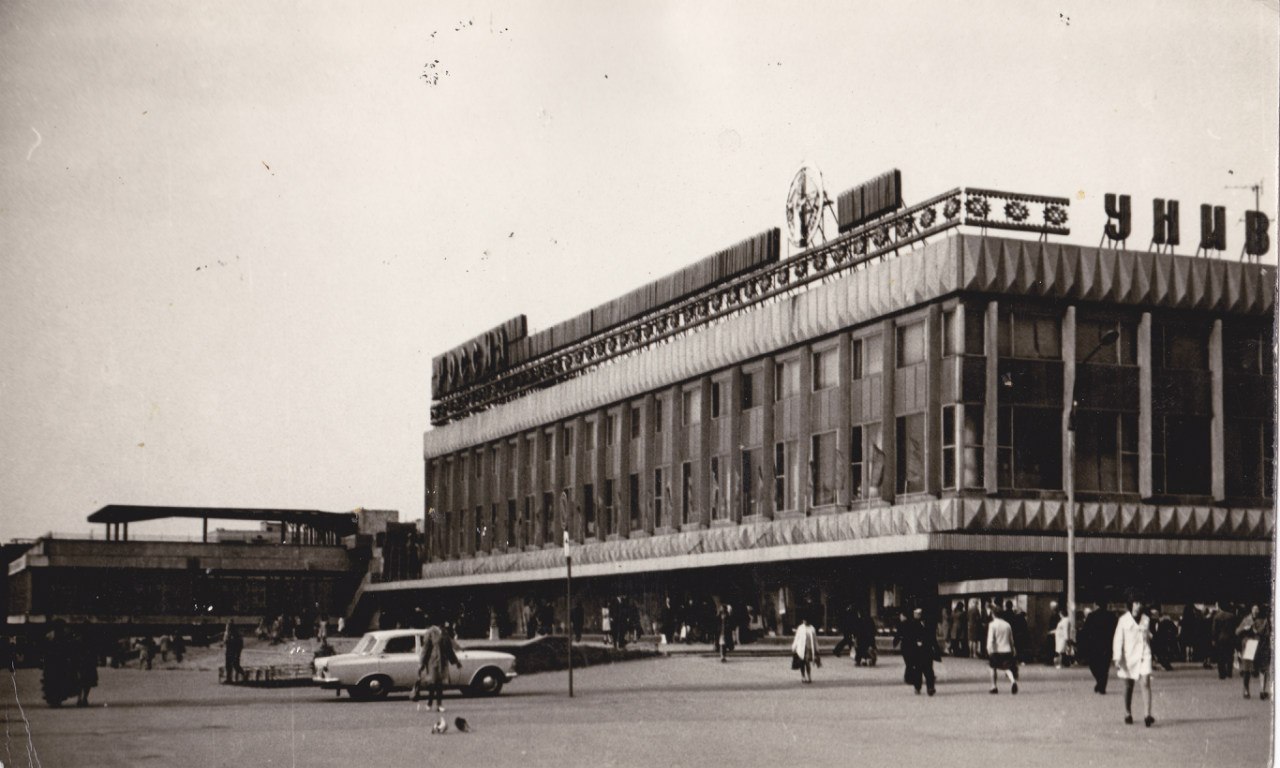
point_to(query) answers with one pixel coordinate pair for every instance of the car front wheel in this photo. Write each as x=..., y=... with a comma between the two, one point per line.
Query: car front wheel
x=376, y=687
x=488, y=682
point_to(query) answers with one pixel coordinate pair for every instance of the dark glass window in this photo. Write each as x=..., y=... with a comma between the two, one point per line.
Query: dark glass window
x=911, y=449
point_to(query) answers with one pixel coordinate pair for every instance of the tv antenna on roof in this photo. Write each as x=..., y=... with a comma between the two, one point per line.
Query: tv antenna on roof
x=807, y=203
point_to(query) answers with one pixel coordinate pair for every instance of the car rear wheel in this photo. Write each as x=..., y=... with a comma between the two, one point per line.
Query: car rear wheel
x=376, y=687
x=487, y=682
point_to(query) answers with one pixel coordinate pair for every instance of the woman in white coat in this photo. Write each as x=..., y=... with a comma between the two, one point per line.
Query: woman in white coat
x=804, y=650
x=1131, y=649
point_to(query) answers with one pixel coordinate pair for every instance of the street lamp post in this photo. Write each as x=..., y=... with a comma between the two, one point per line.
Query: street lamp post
x=1107, y=340
x=568, y=606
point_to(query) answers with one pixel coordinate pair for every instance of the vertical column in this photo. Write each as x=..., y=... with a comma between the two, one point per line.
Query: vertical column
x=933, y=409
x=678, y=455
x=888, y=411
x=556, y=520
x=991, y=402
x=768, y=418
x=1217, y=458
x=577, y=501
x=598, y=471
x=626, y=465
x=706, y=447
x=961, y=335
x=1068, y=397
x=524, y=455
x=731, y=409
x=649, y=446
x=538, y=474
x=843, y=449
x=804, y=433
x=1144, y=406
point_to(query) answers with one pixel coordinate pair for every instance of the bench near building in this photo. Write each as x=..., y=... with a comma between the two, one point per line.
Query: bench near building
x=883, y=419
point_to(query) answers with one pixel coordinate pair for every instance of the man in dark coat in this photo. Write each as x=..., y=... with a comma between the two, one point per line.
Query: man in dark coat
x=1095, y=643
x=1223, y=630
x=919, y=651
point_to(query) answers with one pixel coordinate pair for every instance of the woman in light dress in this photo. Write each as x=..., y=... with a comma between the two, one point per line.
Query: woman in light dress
x=804, y=650
x=1131, y=649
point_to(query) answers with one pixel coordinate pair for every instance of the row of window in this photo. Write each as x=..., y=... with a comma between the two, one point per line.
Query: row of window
x=1029, y=458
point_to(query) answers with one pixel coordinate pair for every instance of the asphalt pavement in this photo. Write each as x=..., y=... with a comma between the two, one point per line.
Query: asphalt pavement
x=685, y=710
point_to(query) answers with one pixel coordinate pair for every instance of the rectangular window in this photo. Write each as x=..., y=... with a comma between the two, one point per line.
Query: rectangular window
x=633, y=501
x=659, y=494
x=715, y=399
x=1122, y=351
x=1106, y=451
x=1029, y=336
x=526, y=523
x=543, y=534
x=949, y=446
x=784, y=476
x=478, y=461
x=750, y=397
x=546, y=442
x=589, y=436
x=1179, y=346
x=1247, y=349
x=950, y=333
x=826, y=369
x=477, y=521
x=975, y=331
x=855, y=464
x=751, y=482
x=719, y=505
x=873, y=355
x=910, y=344
x=510, y=540
x=635, y=422
x=910, y=434
x=1029, y=448
x=786, y=379
x=691, y=407
x=855, y=359
x=610, y=429
x=607, y=508
x=972, y=439
x=657, y=416
x=1180, y=454
x=686, y=491
x=822, y=469
x=589, y=510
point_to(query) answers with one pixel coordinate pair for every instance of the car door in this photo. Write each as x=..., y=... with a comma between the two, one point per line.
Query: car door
x=399, y=660
x=460, y=676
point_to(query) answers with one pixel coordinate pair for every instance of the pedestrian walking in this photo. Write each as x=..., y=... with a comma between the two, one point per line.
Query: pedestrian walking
x=977, y=630
x=576, y=618
x=233, y=646
x=1096, y=636
x=919, y=651
x=804, y=650
x=146, y=652
x=959, y=630
x=438, y=651
x=864, y=638
x=1131, y=649
x=1061, y=637
x=1255, y=649
x=1002, y=652
x=1164, y=640
x=1223, y=633
x=725, y=637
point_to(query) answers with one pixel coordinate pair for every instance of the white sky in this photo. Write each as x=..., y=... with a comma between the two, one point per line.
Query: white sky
x=233, y=235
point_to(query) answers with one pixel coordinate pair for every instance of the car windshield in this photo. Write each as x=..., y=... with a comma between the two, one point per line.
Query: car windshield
x=365, y=645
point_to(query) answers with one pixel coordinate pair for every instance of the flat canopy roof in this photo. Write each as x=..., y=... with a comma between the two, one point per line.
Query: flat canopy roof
x=339, y=522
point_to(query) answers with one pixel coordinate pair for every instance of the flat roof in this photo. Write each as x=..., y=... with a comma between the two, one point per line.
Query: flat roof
x=341, y=522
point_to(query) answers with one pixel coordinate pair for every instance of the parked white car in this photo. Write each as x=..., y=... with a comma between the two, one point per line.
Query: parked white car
x=387, y=660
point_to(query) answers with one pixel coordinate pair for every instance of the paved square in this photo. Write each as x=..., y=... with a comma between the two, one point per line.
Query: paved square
x=680, y=711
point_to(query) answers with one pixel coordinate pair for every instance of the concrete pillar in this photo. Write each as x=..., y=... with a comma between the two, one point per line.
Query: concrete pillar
x=804, y=434
x=598, y=473
x=1217, y=456
x=957, y=386
x=888, y=411
x=933, y=408
x=842, y=417
x=1068, y=394
x=991, y=402
x=702, y=463
x=731, y=409
x=1144, y=407
x=768, y=415
x=649, y=443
